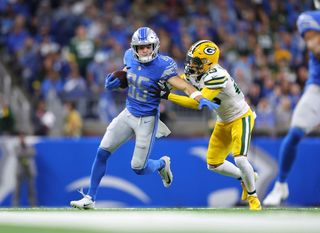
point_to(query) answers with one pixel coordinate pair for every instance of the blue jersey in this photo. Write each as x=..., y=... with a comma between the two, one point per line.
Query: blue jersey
x=142, y=81
x=310, y=21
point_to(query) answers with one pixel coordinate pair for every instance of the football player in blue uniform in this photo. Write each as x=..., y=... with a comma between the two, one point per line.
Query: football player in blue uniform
x=306, y=115
x=145, y=67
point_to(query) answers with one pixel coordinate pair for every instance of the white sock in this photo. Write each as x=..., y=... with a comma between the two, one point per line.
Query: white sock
x=247, y=173
x=227, y=169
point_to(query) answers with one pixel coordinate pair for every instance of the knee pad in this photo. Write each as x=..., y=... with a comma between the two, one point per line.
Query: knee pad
x=295, y=135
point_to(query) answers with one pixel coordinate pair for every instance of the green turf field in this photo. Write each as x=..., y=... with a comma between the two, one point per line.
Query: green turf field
x=159, y=220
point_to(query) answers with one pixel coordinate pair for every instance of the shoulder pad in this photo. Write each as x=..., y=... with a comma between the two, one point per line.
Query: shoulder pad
x=216, y=77
x=169, y=66
x=127, y=56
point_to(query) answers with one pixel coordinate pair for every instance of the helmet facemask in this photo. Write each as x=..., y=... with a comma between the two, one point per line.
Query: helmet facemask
x=194, y=67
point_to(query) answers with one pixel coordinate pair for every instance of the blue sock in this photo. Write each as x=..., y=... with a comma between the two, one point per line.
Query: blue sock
x=98, y=171
x=151, y=167
x=288, y=151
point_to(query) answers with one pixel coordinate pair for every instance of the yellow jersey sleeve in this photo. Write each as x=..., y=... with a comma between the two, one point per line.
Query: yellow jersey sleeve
x=187, y=102
x=183, y=101
x=210, y=94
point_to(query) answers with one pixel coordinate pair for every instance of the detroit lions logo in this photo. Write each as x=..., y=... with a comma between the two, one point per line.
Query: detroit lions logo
x=209, y=50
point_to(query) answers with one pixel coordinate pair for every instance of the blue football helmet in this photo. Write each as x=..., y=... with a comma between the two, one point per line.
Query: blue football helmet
x=145, y=36
x=308, y=21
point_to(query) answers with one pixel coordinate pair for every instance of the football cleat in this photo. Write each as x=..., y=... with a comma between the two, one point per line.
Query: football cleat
x=244, y=195
x=85, y=203
x=279, y=193
x=254, y=203
x=165, y=172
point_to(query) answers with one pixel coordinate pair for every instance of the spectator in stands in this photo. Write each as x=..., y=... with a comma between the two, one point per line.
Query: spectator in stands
x=17, y=35
x=265, y=121
x=254, y=94
x=82, y=49
x=302, y=76
x=51, y=83
x=275, y=96
x=283, y=113
x=26, y=171
x=242, y=71
x=75, y=86
x=29, y=59
x=72, y=121
x=7, y=121
x=42, y=119
x=96, y=72
x=294, y=94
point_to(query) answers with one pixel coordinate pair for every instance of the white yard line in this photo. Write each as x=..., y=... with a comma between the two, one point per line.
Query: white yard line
x=167, y=222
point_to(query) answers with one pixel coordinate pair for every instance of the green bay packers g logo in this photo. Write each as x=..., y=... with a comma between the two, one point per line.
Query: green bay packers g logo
x=209, y=50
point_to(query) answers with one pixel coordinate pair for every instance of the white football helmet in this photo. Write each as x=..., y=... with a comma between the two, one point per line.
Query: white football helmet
x=145, y=36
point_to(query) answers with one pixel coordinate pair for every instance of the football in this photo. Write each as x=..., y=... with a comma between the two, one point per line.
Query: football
x=122, y=76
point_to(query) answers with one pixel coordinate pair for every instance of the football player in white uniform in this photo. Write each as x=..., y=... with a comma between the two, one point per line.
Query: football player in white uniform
x=232, y=132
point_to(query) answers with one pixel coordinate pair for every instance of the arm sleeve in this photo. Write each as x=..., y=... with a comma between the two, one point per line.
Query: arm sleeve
x=210, y=94
x=183, y=101
x=187, y=102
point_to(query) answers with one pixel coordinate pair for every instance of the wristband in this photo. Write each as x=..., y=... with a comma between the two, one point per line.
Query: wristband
x=195, y=94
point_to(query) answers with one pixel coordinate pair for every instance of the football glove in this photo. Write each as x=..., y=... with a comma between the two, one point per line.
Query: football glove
x=205, y=102
x=164, y=90
x=111, y=82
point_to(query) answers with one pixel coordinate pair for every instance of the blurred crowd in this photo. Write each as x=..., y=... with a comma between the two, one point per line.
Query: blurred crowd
x=60, y=51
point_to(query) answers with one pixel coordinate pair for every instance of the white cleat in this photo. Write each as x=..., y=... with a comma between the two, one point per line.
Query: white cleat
x=279, y=193
x=165, y=172
x=85, y=203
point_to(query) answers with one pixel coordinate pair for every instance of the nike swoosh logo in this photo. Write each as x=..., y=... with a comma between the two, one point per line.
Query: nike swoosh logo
x=147, y=121
x=86, y=205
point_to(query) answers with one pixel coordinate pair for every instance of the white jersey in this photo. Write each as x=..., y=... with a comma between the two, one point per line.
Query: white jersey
x=231, y=99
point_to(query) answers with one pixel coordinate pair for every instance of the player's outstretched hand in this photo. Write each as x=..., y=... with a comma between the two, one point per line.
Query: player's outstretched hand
x=205, y=102
x=164, y=90
x=111, y=82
